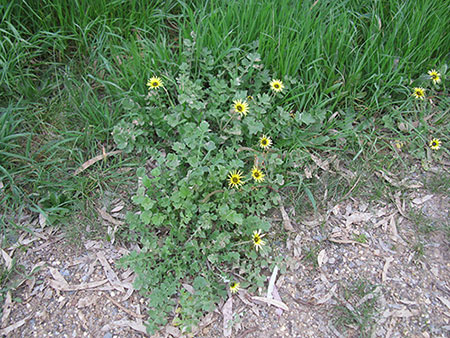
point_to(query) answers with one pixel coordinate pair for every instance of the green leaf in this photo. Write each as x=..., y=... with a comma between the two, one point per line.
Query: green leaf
x=305, y=118
x=319, y=140
x=254, y=126
x=199, y=283
x=146, y=181
x=172, y=161
x=146, y=217
x=140, y=172
x=158, y=219
x=311, y=198
x=147, y=203
x=209, y=146
x=156, y=172
x=235, y=218
x=178, y=147
x=204, y=127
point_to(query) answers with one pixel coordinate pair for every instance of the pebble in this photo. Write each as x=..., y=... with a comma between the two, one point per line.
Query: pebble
x=65, y=272
x=332, y=260
x=108, y=335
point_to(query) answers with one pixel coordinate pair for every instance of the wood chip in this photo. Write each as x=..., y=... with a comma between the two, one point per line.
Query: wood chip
x=109, y=218
x=42, y=220
x=308, y=172
x=323, y=164
x=135, y=325
x=227, y=311
x=444, y=301
x=402, y=184
x=272, y=282
x=273, y=302
x=245, y=298
x=86, y=301
x=393, y=228
x=7, y=259
x=90, y=162
x=83, y=286
x=173, y=331
x=322, y=257
x=286, y=221
x=422, y=200
x=123, y=308
x=188, y=288
x=117, y=209
x=402, y=313
x=5, y=331
x=277, y=297
x=328, y=296
x=58, y=277
x=109, y=272
x=388, y=262
x=358, y=217
x=7, y=306
x=334, y=330
x=93, y=245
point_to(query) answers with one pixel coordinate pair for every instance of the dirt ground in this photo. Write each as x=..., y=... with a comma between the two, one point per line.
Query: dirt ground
x=358, y=269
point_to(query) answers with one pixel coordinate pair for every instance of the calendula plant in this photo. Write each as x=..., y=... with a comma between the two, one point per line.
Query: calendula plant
x=215, y=173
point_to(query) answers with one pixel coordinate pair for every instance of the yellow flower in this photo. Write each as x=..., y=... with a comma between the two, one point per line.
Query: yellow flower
x=240, y=107
x=234, y=287
x=419, y=93
x=434, y=76
x=154, y=83
x=257, y=174
x=250, y=98
x=265, y=142
x=435, y=144
x=235, y=179
x=276, y=85
x=399, y=144
x=257, y=239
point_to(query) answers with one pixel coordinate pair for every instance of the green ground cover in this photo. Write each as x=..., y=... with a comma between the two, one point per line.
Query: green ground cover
x=74, y=84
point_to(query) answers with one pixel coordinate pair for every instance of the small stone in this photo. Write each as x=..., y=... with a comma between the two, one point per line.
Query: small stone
x=65, y=272
x=108, y=335
x=332, y=260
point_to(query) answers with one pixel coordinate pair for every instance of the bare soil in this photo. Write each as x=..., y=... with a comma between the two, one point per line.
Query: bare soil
x=358, y=269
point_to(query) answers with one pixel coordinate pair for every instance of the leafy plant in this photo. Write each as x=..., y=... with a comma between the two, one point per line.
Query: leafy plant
x=214, y=176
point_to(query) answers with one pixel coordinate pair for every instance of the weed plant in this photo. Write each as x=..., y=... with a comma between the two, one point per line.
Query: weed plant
x=73, y=82
x=217, y=172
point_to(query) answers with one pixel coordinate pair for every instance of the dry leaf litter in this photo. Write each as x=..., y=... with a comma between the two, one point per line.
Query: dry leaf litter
x=79, y=292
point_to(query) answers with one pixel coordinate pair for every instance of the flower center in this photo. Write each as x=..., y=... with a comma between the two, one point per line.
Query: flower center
x=434, y=143
x=155, y=84
x=256, y=174
x=235, y=179
x=257, y=240
x=276, y=85
x=233, y=285
x=239, y=108
x=264, y=142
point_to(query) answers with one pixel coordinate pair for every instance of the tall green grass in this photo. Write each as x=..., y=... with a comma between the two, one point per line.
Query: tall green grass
x=342, y=51
x=69, y=68
x=60, y=96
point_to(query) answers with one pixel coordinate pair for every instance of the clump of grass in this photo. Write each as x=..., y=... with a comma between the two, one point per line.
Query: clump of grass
x=311, y=255
x=422, y=223
x=358, y=309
